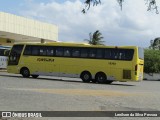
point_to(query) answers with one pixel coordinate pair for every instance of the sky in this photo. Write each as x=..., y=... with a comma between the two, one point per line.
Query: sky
x=134, y=25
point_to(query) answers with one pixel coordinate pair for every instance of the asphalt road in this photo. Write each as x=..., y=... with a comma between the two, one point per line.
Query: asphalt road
x=66, y=94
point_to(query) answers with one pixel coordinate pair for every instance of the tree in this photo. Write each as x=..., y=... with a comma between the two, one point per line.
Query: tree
x=152, y=57
x=152, y=61
x=95, y=38
x=155, y=44
x=150, y=3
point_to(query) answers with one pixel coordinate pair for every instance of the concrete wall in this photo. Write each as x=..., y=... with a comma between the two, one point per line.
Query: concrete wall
x=5, y=41
x=22, y=26
x=155, y=76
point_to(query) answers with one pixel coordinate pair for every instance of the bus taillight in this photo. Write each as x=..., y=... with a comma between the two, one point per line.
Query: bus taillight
x=136, y=67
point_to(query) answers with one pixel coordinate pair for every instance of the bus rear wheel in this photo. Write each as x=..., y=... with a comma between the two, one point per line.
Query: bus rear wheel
x=25, y=72
x=35, y=76
x=86, y=77
x=101, y=77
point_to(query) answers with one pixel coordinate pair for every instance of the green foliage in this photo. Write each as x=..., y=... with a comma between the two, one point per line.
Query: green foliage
x=151, y=4
x=88, y=4
x=95, y=38
x=151, y=61
x=155, y=44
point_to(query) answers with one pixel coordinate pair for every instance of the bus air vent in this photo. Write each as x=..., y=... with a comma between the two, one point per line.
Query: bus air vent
x=126, y=74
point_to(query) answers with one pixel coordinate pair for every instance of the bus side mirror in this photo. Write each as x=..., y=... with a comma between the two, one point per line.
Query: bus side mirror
x=6, y=52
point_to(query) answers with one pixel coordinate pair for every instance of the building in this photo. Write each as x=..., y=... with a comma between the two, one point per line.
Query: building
x=20, y=29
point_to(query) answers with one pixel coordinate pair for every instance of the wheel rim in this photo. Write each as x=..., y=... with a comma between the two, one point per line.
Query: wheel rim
x=86, y=76
x=101, y=78
x=25, y=72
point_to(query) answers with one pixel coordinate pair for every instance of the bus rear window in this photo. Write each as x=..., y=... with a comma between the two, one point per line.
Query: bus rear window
x=141, y=53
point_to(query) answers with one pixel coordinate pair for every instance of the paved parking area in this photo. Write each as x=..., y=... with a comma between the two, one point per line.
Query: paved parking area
x=68, y=94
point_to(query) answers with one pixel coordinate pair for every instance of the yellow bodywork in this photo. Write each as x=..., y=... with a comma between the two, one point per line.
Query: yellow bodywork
x=73, y=67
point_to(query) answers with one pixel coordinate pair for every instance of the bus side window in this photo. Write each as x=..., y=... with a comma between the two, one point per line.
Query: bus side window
x=92, y=53
x=59, y=51
x=84, y=52
x=122, y=54
x=28, y=50
x=129, y=54
x=42, y=51
x=67, y=52
x=50, y=51
x=99, y=53
x=107, y=54
x=35, y=50
x=114, y=54
x=75, y=52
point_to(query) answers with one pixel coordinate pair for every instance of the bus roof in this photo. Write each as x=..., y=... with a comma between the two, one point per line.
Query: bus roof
x=76, y=45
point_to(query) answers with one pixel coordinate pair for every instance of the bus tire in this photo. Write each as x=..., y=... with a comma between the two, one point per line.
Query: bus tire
x=101, y=77
x=34, y=76
x=86, y=76
x=25, y=72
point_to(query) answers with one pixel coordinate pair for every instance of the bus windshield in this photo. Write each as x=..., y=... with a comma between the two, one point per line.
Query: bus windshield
x=15, y=54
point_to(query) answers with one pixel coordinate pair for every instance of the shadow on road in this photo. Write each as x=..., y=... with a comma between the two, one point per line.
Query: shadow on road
x=151, y=80
x=62, y=80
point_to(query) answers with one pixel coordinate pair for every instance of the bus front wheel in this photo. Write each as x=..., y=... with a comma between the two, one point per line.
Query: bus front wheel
x=86, y=77
x=25, y=72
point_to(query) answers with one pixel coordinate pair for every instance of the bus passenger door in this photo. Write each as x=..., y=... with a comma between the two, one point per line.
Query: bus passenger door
x=52, y=66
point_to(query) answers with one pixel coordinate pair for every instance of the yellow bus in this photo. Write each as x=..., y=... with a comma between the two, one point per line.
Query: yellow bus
x=91, y=63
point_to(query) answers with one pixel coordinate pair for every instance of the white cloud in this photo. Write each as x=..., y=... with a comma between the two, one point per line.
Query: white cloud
x=131, y=26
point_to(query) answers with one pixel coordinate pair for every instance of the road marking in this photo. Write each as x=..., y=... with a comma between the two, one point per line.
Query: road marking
x=84, y=92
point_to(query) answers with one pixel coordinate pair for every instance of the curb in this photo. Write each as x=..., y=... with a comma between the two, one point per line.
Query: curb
x=3, y=70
